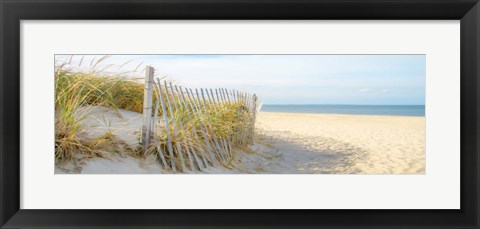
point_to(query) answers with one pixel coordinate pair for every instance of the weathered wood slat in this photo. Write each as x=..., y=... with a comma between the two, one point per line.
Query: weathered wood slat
x=204, y=129
x=188, y=146
x=245, y=126
x=236, y=134
x=175, y=130
x=226, y=95
x=229, y=151
x=180, y=123
x=234, y=95
x=251, y=119
x=254, y=115
x=155, y=129
x=167, y=128
x=222, y=140
x=223, y=95
x=218, y=97
x=220, y=101
x=214, y=100
x=211, y=107
x=189, y=106
x=242, y=124
x=195, y=109
x=210, y=127
x=147, y=108
x=233, y=137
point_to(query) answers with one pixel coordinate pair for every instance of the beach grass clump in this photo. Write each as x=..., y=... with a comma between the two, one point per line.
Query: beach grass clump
x=113, y=91
x=74, y=90
x=67, y=141
x=197, y=130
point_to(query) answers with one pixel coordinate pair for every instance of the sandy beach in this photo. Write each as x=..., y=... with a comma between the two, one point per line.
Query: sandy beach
x=335, y=143
x=285, y=143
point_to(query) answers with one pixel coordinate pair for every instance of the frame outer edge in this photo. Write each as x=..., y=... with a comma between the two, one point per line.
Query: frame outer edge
x=2, y=207
x=10, y=114
x=470, y=110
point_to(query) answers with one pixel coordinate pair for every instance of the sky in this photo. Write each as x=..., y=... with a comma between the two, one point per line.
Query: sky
x=284, y=79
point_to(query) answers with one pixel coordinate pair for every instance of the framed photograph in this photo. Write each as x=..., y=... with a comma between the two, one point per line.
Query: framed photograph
x=239, y=114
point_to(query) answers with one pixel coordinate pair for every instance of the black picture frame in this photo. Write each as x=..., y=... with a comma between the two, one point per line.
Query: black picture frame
x=13, y=11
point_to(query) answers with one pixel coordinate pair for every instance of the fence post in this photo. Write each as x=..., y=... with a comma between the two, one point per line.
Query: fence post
x=147, y=107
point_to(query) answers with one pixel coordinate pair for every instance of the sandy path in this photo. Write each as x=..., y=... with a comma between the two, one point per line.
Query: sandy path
x=329, y=143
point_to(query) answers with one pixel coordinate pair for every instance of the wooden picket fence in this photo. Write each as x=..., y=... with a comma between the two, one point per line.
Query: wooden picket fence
x=182, y=125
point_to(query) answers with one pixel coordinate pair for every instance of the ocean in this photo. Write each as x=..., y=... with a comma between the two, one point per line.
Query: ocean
x=395, y=110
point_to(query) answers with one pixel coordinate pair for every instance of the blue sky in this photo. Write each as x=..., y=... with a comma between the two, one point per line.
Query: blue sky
x=289, y=79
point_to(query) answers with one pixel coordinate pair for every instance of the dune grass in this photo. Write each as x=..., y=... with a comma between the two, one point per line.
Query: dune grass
x=75, y=90
x=221, y=125
x=191, y=121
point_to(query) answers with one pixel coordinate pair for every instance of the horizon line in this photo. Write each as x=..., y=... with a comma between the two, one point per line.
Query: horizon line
x=339, y=104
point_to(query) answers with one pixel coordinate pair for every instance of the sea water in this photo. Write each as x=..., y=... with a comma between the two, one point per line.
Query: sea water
x=395, y=110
